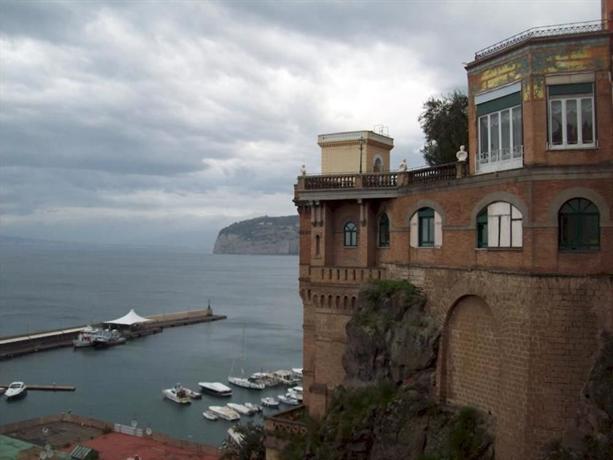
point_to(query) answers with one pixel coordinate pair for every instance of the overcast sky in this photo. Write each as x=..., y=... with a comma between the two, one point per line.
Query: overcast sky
x=161, y=122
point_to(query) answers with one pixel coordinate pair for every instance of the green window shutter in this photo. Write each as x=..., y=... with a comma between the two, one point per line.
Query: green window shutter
x=571, y=88
x=504, y=102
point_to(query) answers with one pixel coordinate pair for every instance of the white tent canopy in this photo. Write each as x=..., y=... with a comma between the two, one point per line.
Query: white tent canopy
x=128, y=320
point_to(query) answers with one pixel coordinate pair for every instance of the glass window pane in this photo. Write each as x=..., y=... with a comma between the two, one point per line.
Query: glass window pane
x=517, y=140
x=587, y=125
x=516, y=232
x=571, y=121
x=505, y=135
x=556, y=122
x=505, y=231
x=483, y=139
x=591, y=230
x=495, y=138
x=493, y=230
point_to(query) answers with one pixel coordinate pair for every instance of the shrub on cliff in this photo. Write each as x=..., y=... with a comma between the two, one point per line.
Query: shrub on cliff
x=252, y=447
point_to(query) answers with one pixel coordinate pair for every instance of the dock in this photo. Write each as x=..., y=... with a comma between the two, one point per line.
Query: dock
x=53, y=387
x=13, y=346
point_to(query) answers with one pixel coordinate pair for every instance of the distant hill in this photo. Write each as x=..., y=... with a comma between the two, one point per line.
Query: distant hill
x=262, y=235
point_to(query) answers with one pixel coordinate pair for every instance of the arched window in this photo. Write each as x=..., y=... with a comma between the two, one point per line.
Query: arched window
x=579, y=225
x=426, y=229
x=350, y=235
x=317, y=245
x=499, y=225
x=377, y=165
x=384, y=231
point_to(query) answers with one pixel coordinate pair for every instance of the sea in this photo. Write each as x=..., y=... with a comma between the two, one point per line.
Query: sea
x=47, y=286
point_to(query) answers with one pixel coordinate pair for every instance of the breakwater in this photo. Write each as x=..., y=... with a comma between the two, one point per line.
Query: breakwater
x=13, y=346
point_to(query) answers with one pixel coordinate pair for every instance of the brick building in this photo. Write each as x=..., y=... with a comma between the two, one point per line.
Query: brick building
x=513, y=247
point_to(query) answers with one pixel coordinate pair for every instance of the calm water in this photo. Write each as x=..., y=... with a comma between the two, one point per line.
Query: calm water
x=45, y=287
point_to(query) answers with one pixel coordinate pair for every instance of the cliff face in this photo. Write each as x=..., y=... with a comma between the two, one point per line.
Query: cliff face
x=262, y=235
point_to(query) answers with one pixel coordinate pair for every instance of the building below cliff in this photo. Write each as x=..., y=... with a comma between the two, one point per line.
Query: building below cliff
x=262, y=235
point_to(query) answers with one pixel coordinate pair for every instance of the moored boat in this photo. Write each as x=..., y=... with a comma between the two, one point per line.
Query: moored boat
x=85, y=337
x=207, y=414
x=215, y=389
x=287, y=399
x=192, y=394
x=107, y=338
x=246, y=383
x=225, y=413
x=241, y=409
x=16, y=390
x=177, y=394
x=296, y=393
x=269, y=402
x=254, y=408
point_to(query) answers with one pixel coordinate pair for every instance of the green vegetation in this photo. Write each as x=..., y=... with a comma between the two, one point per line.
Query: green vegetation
x=445, y=125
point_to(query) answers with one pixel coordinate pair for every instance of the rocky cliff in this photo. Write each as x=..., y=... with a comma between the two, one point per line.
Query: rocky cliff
x=387, y=409
x=262, y=235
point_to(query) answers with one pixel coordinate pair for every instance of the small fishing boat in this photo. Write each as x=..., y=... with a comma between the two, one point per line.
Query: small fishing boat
x=235, y=436
x=215, y=389
x=207, y=414
x=16, y=390
x=177, y=394
x=225, y=413
x=254, y=408
x=269, y=402
x=246, y=383
x=287, y=399
x=241, y=409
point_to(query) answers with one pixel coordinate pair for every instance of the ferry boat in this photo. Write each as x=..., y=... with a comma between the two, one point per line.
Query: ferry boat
x=215, y=389
x=177, y=394
x=225, y=413
x=16, y=390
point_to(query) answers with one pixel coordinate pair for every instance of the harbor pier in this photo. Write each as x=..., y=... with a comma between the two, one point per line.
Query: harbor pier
x=13, y=346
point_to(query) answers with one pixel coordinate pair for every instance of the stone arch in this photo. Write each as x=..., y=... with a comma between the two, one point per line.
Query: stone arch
x=378, y=164
x=498, y=196
x=322, y=300
x=471, y=358
x=578, y=192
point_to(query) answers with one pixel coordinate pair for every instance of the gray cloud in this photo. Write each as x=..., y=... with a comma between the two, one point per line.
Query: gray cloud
x=162, y=121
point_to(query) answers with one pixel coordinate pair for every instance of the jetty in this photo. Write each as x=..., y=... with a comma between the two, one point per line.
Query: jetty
x=13, y=346
x=52, y=387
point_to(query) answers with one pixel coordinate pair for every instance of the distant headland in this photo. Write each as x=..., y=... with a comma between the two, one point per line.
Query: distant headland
x=262, y=235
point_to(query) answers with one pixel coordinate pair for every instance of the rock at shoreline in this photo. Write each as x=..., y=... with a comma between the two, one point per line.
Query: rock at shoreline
x=262, y=235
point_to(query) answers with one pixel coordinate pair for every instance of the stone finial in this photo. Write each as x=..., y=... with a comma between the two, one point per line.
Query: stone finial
x=403, y=166
x=461, y=154
x=303, y=170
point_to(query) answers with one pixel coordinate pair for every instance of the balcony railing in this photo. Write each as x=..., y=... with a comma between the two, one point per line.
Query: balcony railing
x=544, y=31
x=500, y=160
x=422, y=175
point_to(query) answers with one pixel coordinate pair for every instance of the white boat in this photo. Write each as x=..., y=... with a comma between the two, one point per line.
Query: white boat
x=270, y=402
x=192, y=394
x=225, y=413
x=215, y=389
x=287, y=399
x=207, y=414
x=286, y=377
x=243, y=410
x=296, y=393
x=297, y=371
x=85, y=337
x=107, y=338
x=267, y=378
x=235, y=436
x=246, y=383
x=254, y=408
x=16, y=390
x=177, y=394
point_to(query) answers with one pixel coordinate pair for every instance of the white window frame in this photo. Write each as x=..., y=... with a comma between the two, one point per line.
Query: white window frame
x=514, y=158
x=565, y=145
